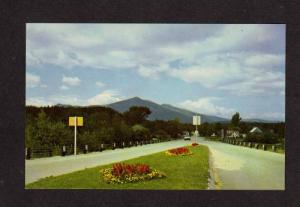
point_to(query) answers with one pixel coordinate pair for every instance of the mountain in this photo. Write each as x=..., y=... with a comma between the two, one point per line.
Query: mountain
x=163, y=111
x=187, y=113
x=261, y=121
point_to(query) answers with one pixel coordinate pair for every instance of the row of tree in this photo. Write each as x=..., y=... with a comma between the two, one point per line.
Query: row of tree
x=271, y=132
x=46, y=127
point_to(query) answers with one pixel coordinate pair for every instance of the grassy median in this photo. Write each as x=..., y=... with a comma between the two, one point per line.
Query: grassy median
x=182, y=172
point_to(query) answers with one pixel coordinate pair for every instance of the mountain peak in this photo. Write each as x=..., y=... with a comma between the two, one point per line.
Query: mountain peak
x=161, y=112
x=135, y=98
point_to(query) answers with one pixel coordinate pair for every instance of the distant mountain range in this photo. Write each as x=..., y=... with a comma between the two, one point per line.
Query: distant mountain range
x=260, y=121
x=163, y=111
x=168, y=112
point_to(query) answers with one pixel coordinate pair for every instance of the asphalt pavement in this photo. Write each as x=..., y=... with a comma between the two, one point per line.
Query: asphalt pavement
x=57, y=165
x=237, y=167
x=243, y=168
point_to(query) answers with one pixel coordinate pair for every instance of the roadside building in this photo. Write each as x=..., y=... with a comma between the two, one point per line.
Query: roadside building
x=233, y=133
x=256, y=130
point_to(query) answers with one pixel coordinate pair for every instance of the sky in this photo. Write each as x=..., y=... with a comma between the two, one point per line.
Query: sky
x=213, y=69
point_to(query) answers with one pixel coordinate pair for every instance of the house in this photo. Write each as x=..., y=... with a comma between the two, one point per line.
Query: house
x=232, y=133
x=256, y=130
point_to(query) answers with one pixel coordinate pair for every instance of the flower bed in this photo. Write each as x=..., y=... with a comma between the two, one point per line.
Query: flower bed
x=179, y=151
x=194, y=144
x=126, y=173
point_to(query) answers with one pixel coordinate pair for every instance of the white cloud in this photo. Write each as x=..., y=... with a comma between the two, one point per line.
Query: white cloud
x=100, y=84
x=37, y=101
x=64, y=87
x=55, y=99
x=106, y=97
x=277, y=116
x=207, y=106
x=256, y=82
x=208, y=77
x=152, y=72
x=32, y=80
x=71, y=81
x=265, y=60
x=128, y=45
x=274, y=115
x=214, y=56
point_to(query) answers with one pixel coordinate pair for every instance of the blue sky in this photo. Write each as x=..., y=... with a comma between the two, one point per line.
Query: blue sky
x=214, y=69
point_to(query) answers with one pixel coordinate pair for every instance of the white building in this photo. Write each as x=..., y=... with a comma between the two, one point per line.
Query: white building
x=256, y=130
x=233, y=133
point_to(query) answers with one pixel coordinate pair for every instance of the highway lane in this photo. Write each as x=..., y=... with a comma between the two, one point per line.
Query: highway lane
x=245, y=168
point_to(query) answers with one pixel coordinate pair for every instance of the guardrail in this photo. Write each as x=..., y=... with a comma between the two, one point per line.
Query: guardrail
x=261, y=146
x=65, y=150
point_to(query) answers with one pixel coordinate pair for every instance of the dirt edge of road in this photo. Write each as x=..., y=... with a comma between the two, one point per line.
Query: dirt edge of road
x=214, y=182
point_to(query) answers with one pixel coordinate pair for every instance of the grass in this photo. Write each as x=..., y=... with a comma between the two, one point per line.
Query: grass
x=183, y=172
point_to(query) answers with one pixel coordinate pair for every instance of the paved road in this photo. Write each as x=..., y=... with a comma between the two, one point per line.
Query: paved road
x=245, y=168
x=43, y=167
x=238, y=167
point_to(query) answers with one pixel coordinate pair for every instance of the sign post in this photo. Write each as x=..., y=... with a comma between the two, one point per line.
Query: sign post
x=75, y=121
x=75, y=136
x=196, y=121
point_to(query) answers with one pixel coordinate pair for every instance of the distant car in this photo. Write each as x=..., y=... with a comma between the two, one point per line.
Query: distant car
x=186, y=137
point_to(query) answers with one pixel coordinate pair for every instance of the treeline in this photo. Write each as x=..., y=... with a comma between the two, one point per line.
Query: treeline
x=48, y=126
x=271, y=132
x=277, y=129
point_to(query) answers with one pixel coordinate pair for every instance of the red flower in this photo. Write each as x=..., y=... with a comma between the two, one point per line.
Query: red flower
x=117, y=169
x=142, y=169
x=180, y=150
x=120, y=169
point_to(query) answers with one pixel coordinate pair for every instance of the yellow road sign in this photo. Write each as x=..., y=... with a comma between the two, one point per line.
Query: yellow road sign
x=72, y=121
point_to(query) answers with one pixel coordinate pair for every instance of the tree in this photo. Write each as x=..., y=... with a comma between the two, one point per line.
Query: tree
x=60, y=134
x=161, y=134
x=46, y=133
x=42, y=135
x=140, y=132
x=245, y=127
x=106, y=135
x=235, y=120
x=136, y=115
x=29, y=132
x=172, y=128
x=206, y=129
x=217, y=127
x=90, y=139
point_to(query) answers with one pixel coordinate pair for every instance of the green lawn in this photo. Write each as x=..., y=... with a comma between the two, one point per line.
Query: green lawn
x=183, y=172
